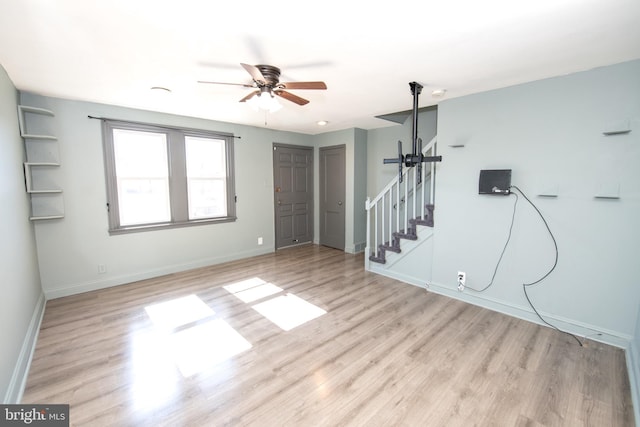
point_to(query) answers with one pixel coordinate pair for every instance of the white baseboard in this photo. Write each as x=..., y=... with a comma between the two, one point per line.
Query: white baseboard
x=79, y=288
x=578, y=328
x=355, y=248
x=359, y=247
x=575, y=327
x=21, y=370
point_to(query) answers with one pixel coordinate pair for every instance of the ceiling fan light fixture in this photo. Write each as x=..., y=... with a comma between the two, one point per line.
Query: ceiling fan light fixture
x=265, y=101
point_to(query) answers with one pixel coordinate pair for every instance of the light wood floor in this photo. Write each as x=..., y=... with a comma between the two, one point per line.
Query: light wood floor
x=384, y=354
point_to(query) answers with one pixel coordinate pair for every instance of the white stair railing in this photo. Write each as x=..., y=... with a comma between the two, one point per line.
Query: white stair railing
x=399, y=202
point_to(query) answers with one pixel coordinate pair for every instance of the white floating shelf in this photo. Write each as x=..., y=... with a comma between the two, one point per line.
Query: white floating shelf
x=38, y=218
x=616, y=132
x=46, y=202
x=22, y=109
x=42, y=164
x=609, y=191
x=35, y=110
x=41, y=137
x=548, y=190
x=44, y=191
x=620, y=127
x=29, y=179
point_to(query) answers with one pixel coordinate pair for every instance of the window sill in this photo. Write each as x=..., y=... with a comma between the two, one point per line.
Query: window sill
x=165, y=226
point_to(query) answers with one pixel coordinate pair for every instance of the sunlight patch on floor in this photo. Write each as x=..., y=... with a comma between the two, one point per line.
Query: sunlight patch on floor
x=154, y=377
x=202, y=346
x=190, y=336
x=252, y=289
x=288, y=311
x=169, y=315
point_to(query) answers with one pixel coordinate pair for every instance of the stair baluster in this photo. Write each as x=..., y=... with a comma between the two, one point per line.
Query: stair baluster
x=399, y=208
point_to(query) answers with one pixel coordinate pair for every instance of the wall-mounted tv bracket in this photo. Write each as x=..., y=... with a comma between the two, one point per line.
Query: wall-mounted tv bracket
x=415, y=158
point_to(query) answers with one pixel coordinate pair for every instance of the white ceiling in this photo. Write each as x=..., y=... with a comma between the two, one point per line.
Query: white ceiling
x=367, y=52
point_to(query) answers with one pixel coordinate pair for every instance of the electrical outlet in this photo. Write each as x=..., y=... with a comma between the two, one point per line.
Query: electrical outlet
x=102, y=268
x=259, y=240
x=462, y=280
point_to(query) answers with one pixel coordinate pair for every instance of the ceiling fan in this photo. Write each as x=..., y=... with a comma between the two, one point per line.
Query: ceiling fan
x=266, y=81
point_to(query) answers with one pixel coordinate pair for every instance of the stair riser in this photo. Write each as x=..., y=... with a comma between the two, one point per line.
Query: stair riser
x=410, y=234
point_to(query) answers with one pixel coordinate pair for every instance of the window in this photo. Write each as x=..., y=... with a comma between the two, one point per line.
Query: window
x=161, y=177
x=206, y=177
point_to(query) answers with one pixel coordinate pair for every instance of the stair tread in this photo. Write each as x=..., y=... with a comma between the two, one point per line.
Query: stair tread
x=407, y=236
x=391, y=248
x=411, y=233
x=425, y=222
x=420, y=221
x=379, y=260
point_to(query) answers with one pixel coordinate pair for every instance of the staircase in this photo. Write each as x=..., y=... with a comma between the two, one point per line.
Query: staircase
x=399, y=211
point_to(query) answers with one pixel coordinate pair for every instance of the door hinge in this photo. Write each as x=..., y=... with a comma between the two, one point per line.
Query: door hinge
x=235, y=199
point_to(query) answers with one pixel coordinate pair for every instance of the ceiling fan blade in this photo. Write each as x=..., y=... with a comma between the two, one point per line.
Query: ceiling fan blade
x=303, y=85
x=251, y=95
x=291, y=97
x=256, y=74
x=221, y=83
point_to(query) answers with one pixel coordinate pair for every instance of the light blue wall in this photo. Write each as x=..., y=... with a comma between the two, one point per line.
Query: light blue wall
x=549, y=133
x=71, y=249
x=22, y=301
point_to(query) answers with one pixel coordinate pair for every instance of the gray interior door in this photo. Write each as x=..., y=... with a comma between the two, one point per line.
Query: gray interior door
x=332, y=195
x=293, y=194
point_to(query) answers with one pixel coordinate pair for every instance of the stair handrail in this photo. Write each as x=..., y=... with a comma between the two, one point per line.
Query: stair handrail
x=391, y=183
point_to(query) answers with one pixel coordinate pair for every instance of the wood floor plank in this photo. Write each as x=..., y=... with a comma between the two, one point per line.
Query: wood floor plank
x=384, y=354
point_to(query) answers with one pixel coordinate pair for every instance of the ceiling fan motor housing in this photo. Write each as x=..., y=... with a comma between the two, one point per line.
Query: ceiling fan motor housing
x=270, y=73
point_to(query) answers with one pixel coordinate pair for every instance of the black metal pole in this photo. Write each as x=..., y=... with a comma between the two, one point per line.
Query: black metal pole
x=416, y=88
x=416, y=158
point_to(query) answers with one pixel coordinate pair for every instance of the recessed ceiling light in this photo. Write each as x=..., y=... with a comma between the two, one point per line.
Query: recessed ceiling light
x=438, y=93
x=322, y=123
x=161, y=89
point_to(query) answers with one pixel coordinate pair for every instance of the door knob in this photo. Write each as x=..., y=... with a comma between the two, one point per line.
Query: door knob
x=279, y=202
x=339, y=203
